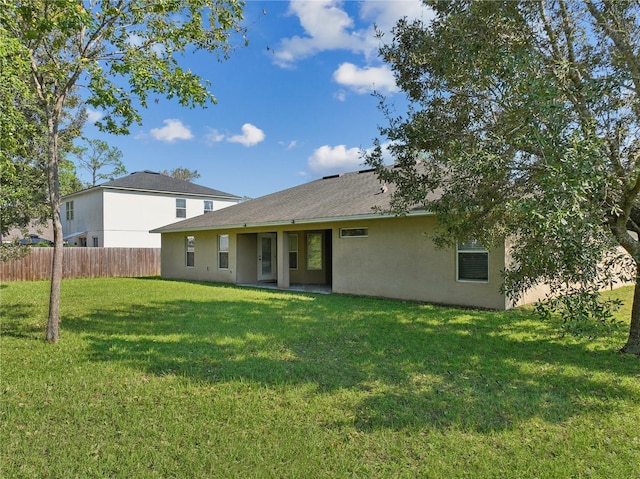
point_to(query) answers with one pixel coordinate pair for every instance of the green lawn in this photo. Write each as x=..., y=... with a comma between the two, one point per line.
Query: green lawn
x=156, y=378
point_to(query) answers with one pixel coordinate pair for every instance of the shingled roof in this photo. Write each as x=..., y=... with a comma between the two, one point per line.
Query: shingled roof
x=152, y=181
x=338, y=197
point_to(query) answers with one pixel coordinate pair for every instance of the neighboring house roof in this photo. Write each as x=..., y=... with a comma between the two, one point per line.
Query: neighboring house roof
x=35, y=228
x=157, y=182
x=332, y=198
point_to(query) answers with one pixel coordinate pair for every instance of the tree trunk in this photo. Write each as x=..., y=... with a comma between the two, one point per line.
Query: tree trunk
x=53, y=323
x=633, y=343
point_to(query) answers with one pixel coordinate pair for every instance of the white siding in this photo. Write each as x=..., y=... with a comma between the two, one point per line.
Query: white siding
x=129, y=216
x=87, y=216
x=123, y=218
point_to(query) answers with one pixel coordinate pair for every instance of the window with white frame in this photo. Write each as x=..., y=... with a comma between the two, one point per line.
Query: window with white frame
x=69, y=209
x=208, y=206
x=181, y=208
x=293, y=251
x=473, y=261
x=223, y=251
x=314, y=251
x=190, y=251
x=354, y=232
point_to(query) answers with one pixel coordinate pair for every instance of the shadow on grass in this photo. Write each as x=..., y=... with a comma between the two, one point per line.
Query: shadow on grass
x=413, y=365
x=12, y=323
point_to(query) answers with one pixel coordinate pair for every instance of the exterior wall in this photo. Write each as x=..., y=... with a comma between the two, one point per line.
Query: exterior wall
x=540, y=292
x=123, y=218
x=397, y=260
x=87, y=217
x=303, y=275
x=129, y=215
x=206, y=257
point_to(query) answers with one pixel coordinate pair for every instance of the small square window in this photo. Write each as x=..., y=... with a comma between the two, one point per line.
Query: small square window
x=473, y=262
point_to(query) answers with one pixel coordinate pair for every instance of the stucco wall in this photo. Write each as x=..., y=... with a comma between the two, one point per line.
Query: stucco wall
x=397, y=260
x=206, y=257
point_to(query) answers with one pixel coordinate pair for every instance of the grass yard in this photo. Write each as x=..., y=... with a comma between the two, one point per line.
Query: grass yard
x=157, y=378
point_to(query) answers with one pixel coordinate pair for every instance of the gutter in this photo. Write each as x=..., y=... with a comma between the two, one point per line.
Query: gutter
x=333, y=219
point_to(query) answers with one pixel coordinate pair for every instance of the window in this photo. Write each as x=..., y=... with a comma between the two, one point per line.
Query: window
x=293, y=251
x=95, y=241
x=83, y=241
x=69, y=209
x=191, y=251
x=354, y=232
x=208, y=206
x=473, y=262
x=314, y=251
x=181, y=208
x=223, y=251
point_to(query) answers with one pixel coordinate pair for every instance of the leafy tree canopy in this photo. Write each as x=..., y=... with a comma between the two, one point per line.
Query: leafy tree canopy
x=121, y=51
x=525, y=116
x=181, y=173
x=102, y=161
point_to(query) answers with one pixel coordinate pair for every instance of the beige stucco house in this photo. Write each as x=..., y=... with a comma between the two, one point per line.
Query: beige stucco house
x=328, y=233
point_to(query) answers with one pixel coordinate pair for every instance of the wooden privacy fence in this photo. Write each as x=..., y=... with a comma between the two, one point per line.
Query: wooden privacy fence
x=84, y=263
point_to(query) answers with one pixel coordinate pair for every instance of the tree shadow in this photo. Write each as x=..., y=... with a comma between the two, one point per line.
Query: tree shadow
x=414, y=365
x=12, y=323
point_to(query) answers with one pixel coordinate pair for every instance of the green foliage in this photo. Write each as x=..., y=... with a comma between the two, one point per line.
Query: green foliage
x=524, y=116
x=96, y=155
x=105, y=45
x=182, y=173
x=584, y=311
x=177, y=379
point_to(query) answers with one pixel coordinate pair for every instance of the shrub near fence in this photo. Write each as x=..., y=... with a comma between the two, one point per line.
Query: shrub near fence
x=84, y=263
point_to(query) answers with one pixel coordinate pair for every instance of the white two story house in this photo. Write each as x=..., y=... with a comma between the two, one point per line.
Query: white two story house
x=121, y=212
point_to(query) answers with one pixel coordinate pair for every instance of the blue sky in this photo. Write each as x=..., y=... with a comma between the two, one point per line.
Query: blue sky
x=293, y=106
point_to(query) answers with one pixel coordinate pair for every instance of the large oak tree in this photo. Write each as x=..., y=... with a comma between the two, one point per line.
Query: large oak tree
x=526, y=118
x=120, y=52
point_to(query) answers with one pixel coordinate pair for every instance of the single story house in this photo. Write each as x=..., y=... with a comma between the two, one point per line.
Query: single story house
x=120, y=212
x=328, y=233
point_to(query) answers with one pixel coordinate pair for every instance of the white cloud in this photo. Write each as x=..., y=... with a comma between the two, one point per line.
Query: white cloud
x=289, y=146
x=327, y=26
x=251, y=135
x=214, y=136
x=336, y=159
x=93, y=115
x=387, y=157
x=365, y=80
x=340, y=95
x=172, y=131
x=386, y=14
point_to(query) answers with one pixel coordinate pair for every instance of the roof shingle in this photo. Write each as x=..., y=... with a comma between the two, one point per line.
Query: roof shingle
x=335, y=197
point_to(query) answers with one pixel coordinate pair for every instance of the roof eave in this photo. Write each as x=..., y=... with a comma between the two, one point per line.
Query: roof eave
x=145, y=190
x=330, y=219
